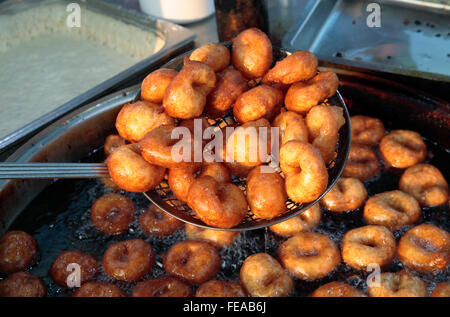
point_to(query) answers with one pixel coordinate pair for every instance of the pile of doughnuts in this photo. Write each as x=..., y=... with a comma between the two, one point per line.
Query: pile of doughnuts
x=244, y=83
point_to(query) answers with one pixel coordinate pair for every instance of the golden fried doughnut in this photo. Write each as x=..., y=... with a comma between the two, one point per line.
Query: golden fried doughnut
x=302, y=222
x=217, y=171
x=425, y=183
x=160, y=148
x=219, y=238
x=263, y=101
x=309, y=255
x=292, y=127
x=112, y=213
x=323, y=130
x=215, y=288
x=131, y=172
x=180, y=180
x=425, y=249
x=112, y=143
x=22, y=284
x=302, y=96
x=249, y=144
x=403, y=148
x=306, y=176
x=441, y=290
x=155, y=84
x=368, y=245
x=222, y=205
x=393, y=209
x=185, y=97
x=193, y=261
x=18, y=251
x=230, y=84
x=214, y=55
x=263, y=276
x=347, y=194
x=99, y=289
x=61, y=267
x=366, y=130
x=156, y=222
x=298, y=66
x=136, y=119
x=400, y=284
x=362, y=162
x=128, y=260
x=251, y=53
x=163, y=286
x=266, y=194
x=337, y=289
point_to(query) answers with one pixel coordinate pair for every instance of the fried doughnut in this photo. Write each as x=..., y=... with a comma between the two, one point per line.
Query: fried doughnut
x=62, y=267
x=157, y=147
x=185, y=97
x=155, y=84
x=193, y=261
x=425, y=183
x=441, y=290
x=22, y=284
x=158, y=223
x=302, y=222
x=309, y=255
x=112, y=143
x=128, y=260
x=337, y=289
x=18, y=251
x=263, y=276
x=222, y=205
x=299, y=66
x=368, y=245
x=240, y=145
x=425, y=249
x=131, y=172
x=400, y=284
x=217, y=171
x=347, y=194
x=323, y=131
x=99, y=289
x=403, y=148
x=362, y=162
x=302, y=96
x=366, y=130
x=112, y=213
x=230, y=84
x=393, y=209
x=181, y=179
x=219, y=238
x=292, y=127
x=262, y=101
x=251, y=53
x=214, y=55
x=163, y=286
x=306, y=176
x=136, y=119
x=215, y=288
x=266, y=194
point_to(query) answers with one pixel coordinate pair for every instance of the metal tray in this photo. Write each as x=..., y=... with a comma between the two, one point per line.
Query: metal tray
x=175, y=40
x=413, y=39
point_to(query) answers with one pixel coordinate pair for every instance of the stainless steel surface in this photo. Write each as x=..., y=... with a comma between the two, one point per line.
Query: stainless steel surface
x=413, y=39
x=52, y=170
x=176, y=39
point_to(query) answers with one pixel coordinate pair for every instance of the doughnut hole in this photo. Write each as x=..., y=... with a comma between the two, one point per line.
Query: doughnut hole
x=18, y=251
x=368, y=245
x=66, y=263
x=112, y=213
x=22, y=284
x=128, y=260
x=192, y=261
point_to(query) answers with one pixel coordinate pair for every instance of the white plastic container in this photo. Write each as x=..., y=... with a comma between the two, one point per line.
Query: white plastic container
x=178, y=11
